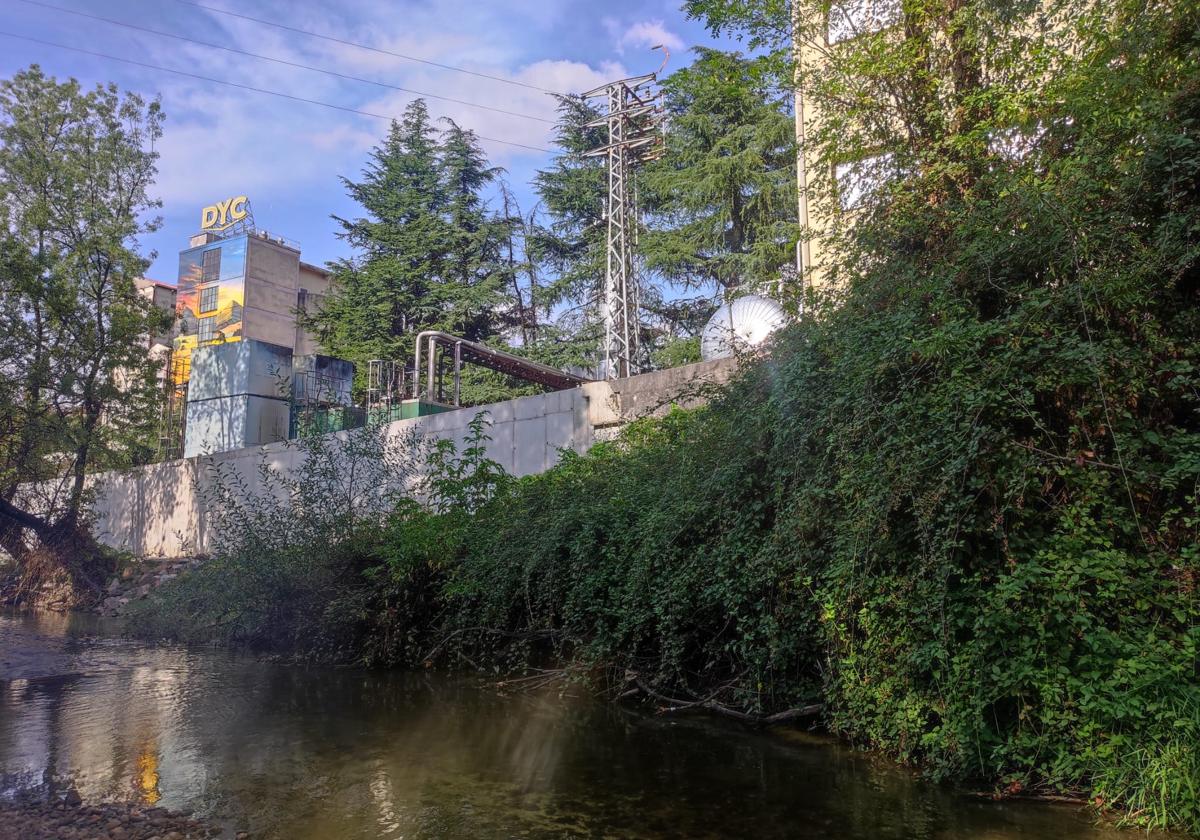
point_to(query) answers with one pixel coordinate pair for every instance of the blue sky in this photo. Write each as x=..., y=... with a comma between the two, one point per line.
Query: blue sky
x=287, y=156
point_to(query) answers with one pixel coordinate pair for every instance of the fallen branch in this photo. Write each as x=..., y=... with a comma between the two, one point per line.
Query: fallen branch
x=1001, y=796
x=676, y=705
x=538, y=680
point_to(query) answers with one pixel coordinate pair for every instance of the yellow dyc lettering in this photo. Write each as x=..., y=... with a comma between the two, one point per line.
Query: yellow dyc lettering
x=224, y=214
x=237, y=208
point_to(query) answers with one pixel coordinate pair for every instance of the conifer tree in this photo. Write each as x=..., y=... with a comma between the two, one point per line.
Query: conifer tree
x=570, y=248
x=475, y=300
x=723, y=198
x=428, y=249
x=381, y=295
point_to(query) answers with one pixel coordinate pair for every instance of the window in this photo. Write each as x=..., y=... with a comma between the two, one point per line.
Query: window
x=212, y=266
x=1015, y=144
x=207, y=329
x=857, y=182
x=208, y=298
x=851, y=18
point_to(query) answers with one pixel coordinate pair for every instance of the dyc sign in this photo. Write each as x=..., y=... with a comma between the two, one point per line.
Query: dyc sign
x=224, y=214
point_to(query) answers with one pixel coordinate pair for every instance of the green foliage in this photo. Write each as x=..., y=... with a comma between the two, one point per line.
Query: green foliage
x=291, y=546
x=652, y=553
x=573, y=191
x=428, y=250
x=723, y=197
x=331, y=558
x=677, y=352
x=959, y=501
x=77, y=388
x=467, y=480
x=570, y=247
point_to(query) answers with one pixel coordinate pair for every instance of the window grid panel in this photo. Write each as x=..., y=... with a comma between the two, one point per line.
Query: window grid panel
x=212, y=266
x=207, y=329
x=208, y=298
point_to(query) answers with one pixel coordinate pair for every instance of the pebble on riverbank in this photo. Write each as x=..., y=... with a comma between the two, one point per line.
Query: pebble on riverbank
x=73, y=820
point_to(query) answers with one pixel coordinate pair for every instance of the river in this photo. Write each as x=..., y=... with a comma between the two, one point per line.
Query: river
x=297, y=753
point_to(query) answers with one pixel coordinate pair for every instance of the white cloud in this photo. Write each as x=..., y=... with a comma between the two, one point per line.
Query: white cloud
x=648, y=33
x=221, y=141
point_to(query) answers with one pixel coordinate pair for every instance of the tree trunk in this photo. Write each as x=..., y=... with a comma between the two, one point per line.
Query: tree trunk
x=63, y=568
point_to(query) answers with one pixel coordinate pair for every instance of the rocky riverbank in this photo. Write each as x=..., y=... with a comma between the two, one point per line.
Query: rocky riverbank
x=71, y=819
x=133, y=580
x=137, y=580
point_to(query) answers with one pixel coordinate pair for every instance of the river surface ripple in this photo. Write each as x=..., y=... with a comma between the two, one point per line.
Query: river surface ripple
x=300, y=753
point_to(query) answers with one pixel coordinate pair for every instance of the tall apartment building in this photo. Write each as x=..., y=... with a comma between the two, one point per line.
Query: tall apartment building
x=848, y=183
x=842, y=22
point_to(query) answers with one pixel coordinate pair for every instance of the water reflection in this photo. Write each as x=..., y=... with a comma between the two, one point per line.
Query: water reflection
x=310, y=753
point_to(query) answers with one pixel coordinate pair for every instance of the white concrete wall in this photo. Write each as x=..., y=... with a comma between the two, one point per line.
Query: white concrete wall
x=159, y=510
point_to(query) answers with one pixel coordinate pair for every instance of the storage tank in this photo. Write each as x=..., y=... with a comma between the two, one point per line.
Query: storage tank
x=740, y=325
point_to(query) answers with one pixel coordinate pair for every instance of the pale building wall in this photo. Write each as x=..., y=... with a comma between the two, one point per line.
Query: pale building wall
x=272, y=274
x=160, y=510
x=315, y=283
x=825, y=210
x=842, y=22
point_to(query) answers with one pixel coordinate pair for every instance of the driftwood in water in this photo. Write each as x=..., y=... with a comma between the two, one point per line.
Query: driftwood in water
x=708, y=704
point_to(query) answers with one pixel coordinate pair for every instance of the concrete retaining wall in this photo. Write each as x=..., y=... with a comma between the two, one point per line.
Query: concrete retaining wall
x=159, y=510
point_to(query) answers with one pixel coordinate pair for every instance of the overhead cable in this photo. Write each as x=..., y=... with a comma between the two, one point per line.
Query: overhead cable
x=241, y=86
x=379, y=50
x=284, y=61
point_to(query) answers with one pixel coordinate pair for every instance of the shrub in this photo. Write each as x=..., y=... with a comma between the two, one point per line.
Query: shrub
x=290, y=547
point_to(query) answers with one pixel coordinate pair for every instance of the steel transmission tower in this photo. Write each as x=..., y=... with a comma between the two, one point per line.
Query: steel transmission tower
x=633, y=115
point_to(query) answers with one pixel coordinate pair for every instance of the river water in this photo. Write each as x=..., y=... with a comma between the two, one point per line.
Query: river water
x=300, y=753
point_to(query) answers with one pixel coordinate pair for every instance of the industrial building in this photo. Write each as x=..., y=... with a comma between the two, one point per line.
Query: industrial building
x=240, y=355
x=244, y=371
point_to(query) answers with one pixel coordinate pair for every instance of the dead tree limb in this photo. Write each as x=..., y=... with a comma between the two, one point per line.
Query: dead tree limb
x=675, y=706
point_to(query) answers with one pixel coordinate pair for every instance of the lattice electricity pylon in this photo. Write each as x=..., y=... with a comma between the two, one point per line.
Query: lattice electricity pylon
x=633, y=116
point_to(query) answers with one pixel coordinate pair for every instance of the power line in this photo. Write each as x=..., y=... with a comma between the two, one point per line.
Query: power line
x=365, y=47
x=285, y=62
x=241, y=86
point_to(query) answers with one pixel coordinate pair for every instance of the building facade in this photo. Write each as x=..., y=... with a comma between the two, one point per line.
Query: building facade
x=238, y=332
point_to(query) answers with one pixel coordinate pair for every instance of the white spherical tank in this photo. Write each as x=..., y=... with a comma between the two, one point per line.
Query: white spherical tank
x=737, y=326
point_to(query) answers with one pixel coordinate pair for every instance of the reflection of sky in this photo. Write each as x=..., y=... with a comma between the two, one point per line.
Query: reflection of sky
x=311, y=753
x=231, y=292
